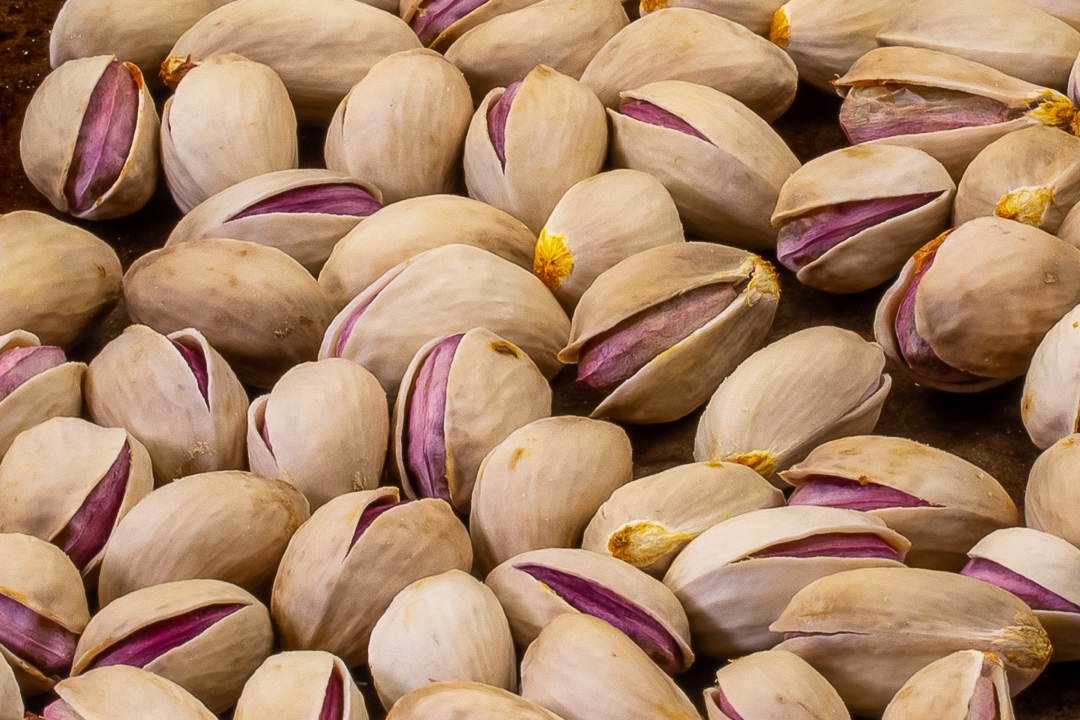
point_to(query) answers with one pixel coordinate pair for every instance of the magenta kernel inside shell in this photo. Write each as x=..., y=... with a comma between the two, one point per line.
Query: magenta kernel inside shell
x=835, y=544
x=425, y=432
x=154, y=640
x=496, y=120
x=984, y=702
x=720, y=700
x=434, y=16
x=371, y=512
x=59, y=710
x=333, y=707
x=196, y=361
x=871, y=112
x=264, y=433
x=347, y=327
x=22, y=363
x=646, y=112
x=593, y=599
x=852, y=494
x=1031, y=592
x=105, y=137
x=328, y=199
x=34, y=638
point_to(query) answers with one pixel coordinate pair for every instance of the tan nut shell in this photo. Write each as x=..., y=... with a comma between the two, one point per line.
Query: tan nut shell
x=756, y=15
x=1052, y=494
x=1069, y=230
x=408, y=9
x=51, y=128
x=1050, y=407
x=122, y=692
x=11, y=703
x=214, y=665
x=293, y=684
x=944, y=689
x=769, y=685
x=465, y=701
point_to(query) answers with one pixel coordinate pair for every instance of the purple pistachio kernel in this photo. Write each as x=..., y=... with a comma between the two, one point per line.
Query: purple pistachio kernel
x=1034, y=594
x=593, y=599
x=720, y=700
x=612, y=357
x=434, y=16
x=808, y=237
x=197, y=362
x=496, y=120
x=265, y=433
x=333, y=707
x=329, y=199
x=845, y=545
x=154, y=640
x=852, y=495
x=90, y=527
x=105, y=137
x=372, y=511
x=425, y=434
x=346, y=329
x=984, y=703
x=22, y=363
x=644, y=111
x=34, y=638
x=878, y=111
x=59, y=710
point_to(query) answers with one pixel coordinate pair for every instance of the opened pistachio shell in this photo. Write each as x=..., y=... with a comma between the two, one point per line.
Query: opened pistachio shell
x=465, y=701
x=756, y=15
x=768, y=686
x=1050, y=407
x=122, y=692
x=89, y=140
x=966, y=685
x=1052, y=493
x=301, y=684
x=11, y=703
x=439, y=26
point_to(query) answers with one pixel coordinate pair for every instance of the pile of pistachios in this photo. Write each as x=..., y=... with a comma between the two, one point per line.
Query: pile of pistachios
x=323, y=452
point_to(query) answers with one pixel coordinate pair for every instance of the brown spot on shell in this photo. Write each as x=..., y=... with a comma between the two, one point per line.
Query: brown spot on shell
x=504, y=348
x=518, y=455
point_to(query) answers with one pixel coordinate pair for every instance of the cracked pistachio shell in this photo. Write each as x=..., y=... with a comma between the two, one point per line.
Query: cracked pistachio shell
x=791, y=396
x=465, y=701
x=698, y=47
x=725, y=178
x=952, y=502
x=540, y=486
x=122, y=692
x=598, y=222
x=1050, y=407
x=57, y=280
x=440, y=32
x=254, y=304
x=323, y=429
x=448, y=627
x=202, y=649
x=859, y=184
x=63, y=112
x=491, y=389
x=319, y=48
x=840, y=623
x=648, y=522
x=403, y=126
x=440, y=292
x=142, y=382
x=246, y=211
x=297, y=684
x=407, y=228
x=965, y=685
x=229, y=525
x=768, y=685
x=554, y=134
x=11, y=703
x=229, y=119
x=753, y=14
x=1053, y=494
x=731, y=596
x=681, y=377
x=580, y=667
x=344, y=566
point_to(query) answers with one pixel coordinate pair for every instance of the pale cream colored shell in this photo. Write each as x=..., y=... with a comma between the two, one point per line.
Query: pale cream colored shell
x=698, y=47
x=756, y=15
x=229, y=525
x=407, y=228
x=944, y=689
x=776, y=407
x=403, y=126
x=493, y=388
x=1069, y=230
x=465, y=701
x=142, y=383
x=56, y=280
x=540, y=486
x=448, y=627
x=1052, y=494
x=769, y=685
x=11, y=703
x=214, y=665
x=122, y=692
x=293, y=684
x=1064, y=10
x=329, y=426
x=51, y=128
x=725, y=187
x=1050, y=407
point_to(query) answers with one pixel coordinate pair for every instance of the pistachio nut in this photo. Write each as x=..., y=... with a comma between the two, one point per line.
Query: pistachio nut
x=1069, y=230
x=122, y=692
x=89, y=140
x=1041, y=569
x=768, y=685
x=460, y=397
x=1061, y=9
x=648, y=522
x=756, y=15
x=791, y=396
x=301, y=212
x=227, y=525
x=403, y=126
x=722, y=164
x=301, y=684
x=465, y=701
x=850, y=219
x=940, y=502
x=965, y=685
x=698, y=47
x=841, y=623
x=448, y=627
x=207, y=636
x=57, y=280
x=1050, y=407
x=1052, y=493
x=942, y=321
x=11, y=702
x=540, y=486
x=439, y=24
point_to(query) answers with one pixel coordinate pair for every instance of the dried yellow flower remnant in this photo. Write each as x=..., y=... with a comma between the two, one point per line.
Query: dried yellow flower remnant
x=552, y=261
x=1057, y=113
x=762, y=462
x=647, y=6
x=928, y=250
x=1026, y=205
x=642, y=543
x=780, y=28
x=764, y=281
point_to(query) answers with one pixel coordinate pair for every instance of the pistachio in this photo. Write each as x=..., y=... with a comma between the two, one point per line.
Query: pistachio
x=966, y=685
x=310, y=684
x=1050, y=407
x=11, y=703
x=122, y=692
x=465, y=700
x=768, y=685
x=756, y=15
x=1052, y=492
x=438, y=23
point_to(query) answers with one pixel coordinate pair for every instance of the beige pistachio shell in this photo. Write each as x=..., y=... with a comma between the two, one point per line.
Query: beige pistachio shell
x=294, y=684
x=648, y=522
x=465, y=701
x=57, y=280
x=214, y=664
x=964, y=503
x=770, y=685
x=953, y=687
x=411, y=12
x=449, y=627
x=403, y=126
x=319, y=48
x=11, y=703
x=540, y=486
x=775, y=407
x=1069, y=230
x=407, y=228
x=865, y=173
x=1063, y=10
x=51, y=129
x=229, y=525
x=122, y=692
x=580, y=667
x=844, y=621
x=1052, y=493
x=754, y=14
x=725, y=185
x=698, y=47
x=1050, y=407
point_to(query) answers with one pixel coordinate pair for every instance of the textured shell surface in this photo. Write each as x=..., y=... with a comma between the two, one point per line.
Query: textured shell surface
x=1050, y=407
x=297, y=684
x=1052, y=491
x=465, y=701
x=122, y=692
x=11, y=702
x=964, y=682
x=756, y=15
x=774, y=684
x=413, y=12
